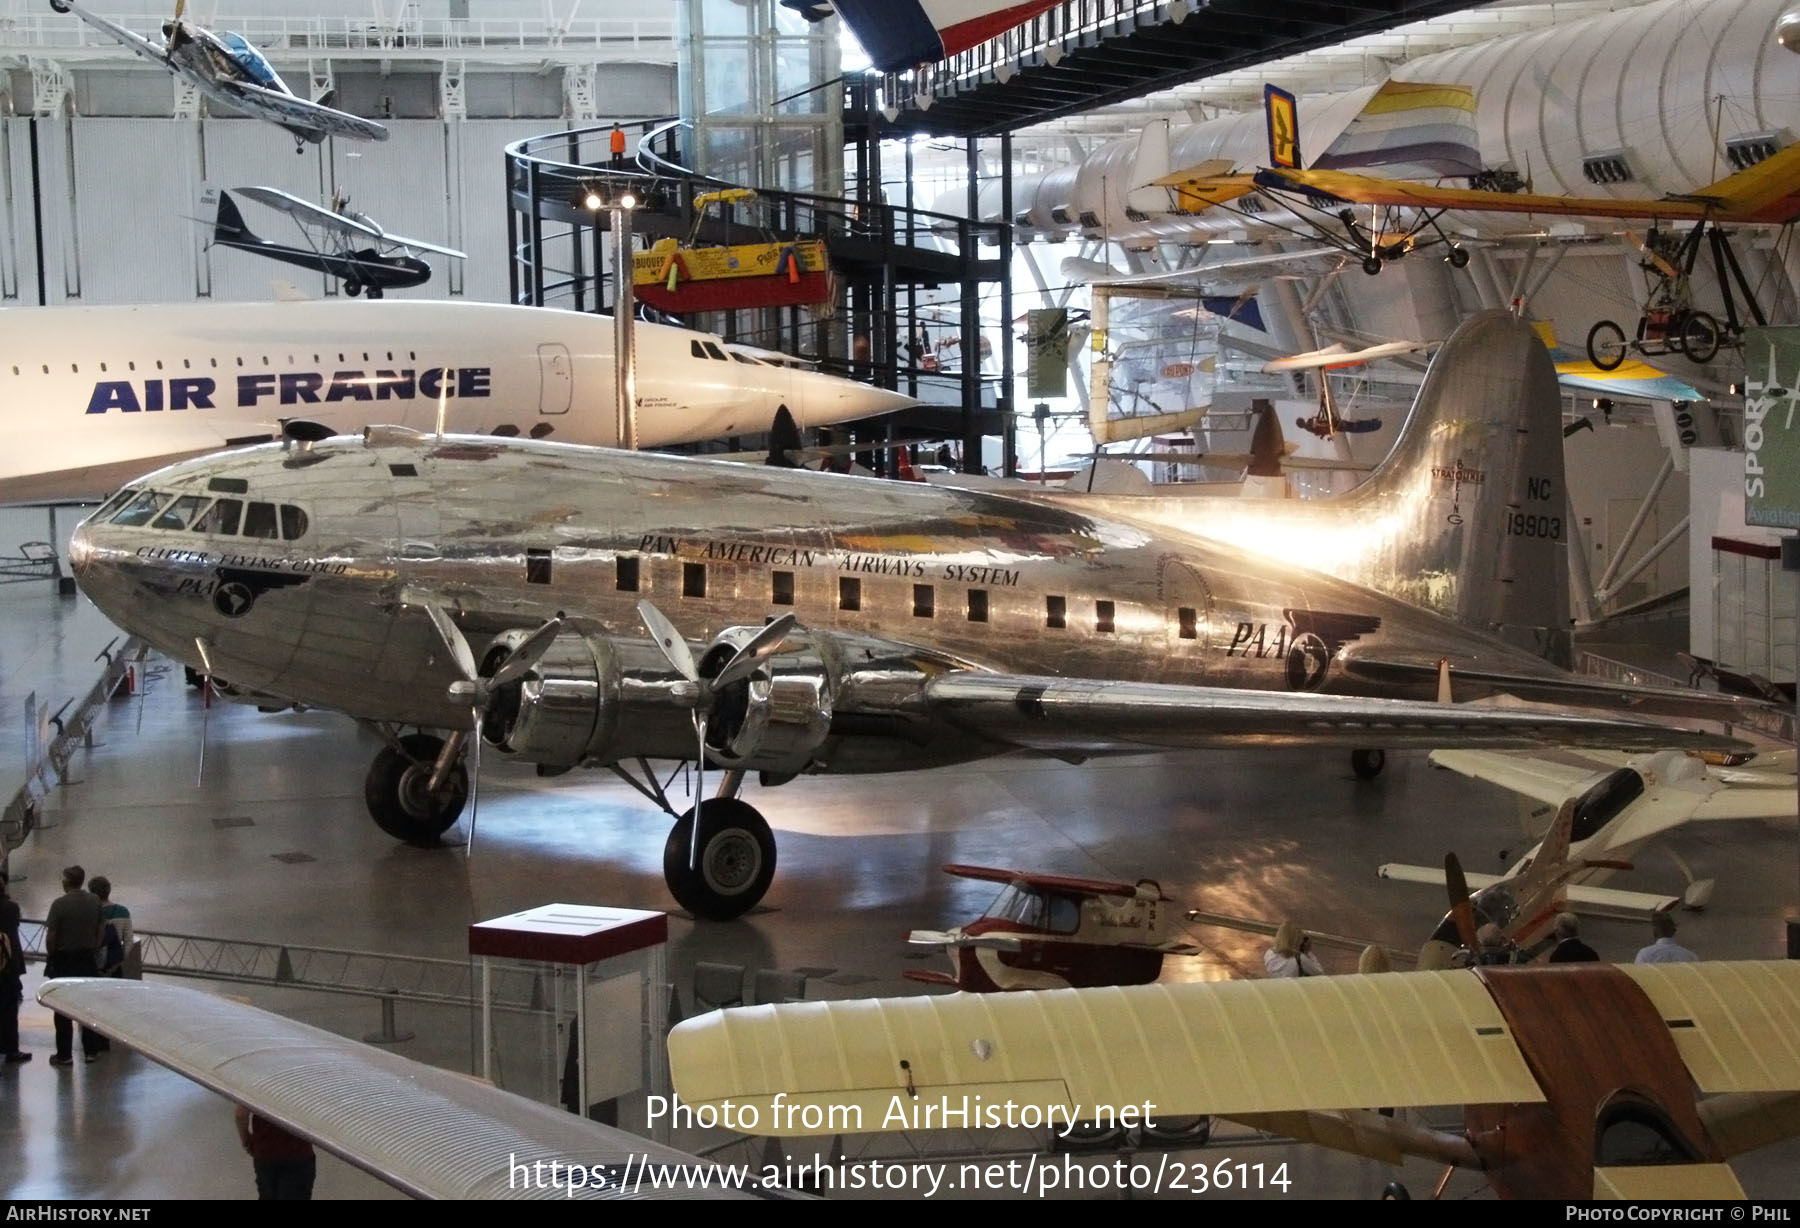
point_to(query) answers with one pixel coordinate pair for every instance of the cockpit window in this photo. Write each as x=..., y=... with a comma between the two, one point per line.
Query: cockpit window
x=695, y=349
x=180, y=514
x=714, y=352
x=112, y=504
x=259, y=521
x=745, y=358
x=1630, y=1131
x=248, y=57
x=1601, y=804
x=140, y=509
x=221, y=518
x=293, y=522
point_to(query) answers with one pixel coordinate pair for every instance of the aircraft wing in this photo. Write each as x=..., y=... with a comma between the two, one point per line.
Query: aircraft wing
x=428, y=1132
x=1054, y=882
x=1765, y=192
x=157, y=53
x=1202, y=187
x=1227, y=1047
x=307, y=213
x=300, y=112
x=1742, y=802
x=1539, y=779
x=1086, y=716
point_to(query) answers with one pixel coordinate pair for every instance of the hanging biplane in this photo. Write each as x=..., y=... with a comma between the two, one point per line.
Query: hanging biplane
x=340, y=242
x=681, y=277
x=1046, y=931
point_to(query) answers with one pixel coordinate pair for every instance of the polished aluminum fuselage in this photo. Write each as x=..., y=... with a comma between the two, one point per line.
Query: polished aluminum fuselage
x=506, y=534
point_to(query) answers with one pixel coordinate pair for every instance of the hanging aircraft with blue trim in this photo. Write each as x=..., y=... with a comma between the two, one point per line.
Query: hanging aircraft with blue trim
x=228, y=70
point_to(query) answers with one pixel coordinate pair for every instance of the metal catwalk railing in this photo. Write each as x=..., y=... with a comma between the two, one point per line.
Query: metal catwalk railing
x=369, y=974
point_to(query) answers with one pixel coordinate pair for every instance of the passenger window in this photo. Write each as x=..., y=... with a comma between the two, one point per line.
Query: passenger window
x=1056, y=613
x=625, y=569
x=179, y=514
x=1189, y=623
x=140, y=509
x=781, y=584
x=221, y=518
x=259, y=521
x=695, y=350
x=537, y=566
x=924, y=601
x=693, y=579
x=1103, y=617
x=978, y=605
x=849, y=593
x=293, y=522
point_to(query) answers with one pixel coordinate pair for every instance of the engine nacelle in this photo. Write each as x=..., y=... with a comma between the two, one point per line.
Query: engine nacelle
x=592, y=698
x=776, y=719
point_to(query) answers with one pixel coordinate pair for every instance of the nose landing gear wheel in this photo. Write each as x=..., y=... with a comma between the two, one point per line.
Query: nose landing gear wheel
x=1372, y=265
x=395, y=792
x=1367, y=764
x=736, y=863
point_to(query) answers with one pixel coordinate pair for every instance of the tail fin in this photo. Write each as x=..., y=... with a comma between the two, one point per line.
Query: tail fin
x=1546, y=872
x=1283, y=116
x=1470, y=510
x=228, y=223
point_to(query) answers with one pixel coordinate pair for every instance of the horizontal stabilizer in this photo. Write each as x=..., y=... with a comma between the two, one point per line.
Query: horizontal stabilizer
x=1431, y=876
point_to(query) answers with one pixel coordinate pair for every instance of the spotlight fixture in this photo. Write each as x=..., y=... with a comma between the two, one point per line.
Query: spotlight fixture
x=592, y=201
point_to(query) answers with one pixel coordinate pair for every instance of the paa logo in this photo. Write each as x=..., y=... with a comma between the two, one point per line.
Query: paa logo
x=292, y=388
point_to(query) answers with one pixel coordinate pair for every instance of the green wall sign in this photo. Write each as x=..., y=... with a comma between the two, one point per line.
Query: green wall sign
x=1771, y=434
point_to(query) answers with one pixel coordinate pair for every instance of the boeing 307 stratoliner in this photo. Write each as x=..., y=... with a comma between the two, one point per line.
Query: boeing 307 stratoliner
x=544, y=599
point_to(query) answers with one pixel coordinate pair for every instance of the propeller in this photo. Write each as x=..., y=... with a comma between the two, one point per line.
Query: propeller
x=1462, y=908
x=206, y=698
x=478, y=691
x=701, y=694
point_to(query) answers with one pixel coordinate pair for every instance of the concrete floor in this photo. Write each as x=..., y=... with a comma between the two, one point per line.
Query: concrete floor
x=1266, y=834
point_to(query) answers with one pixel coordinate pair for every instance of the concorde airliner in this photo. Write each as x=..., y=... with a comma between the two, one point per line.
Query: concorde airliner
x=95, y=396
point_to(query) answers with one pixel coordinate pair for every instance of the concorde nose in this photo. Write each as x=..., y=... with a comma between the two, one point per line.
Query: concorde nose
x=827, y=398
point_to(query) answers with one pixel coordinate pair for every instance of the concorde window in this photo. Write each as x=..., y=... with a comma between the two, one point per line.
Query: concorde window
x=781, y=588
x=140, y=509
x=693, y=579
x=978, y=605
x=715, y=353
x=221, y=518
x=1056, y=613
x=259, y=521
x=695, y=350
x=625, y=573
x=924, y=601
x=1103, y=617
x=849, y=593
x=180, y=514
x=745, y=358
x=1190, y=623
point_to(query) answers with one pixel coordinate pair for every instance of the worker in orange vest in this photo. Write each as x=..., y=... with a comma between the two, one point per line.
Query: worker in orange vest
x=618, y=148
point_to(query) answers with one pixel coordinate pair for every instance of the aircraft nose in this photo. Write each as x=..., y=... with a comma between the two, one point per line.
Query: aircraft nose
x=825, y=399
x=81, y=550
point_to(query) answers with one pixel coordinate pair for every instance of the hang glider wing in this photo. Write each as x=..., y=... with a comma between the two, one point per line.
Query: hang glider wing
x=1767, y=192
x=428, y=1132
x=1084, y=716
x=301, y=113
x=1230, y=1048
x=1334, y=356
x=157, y=53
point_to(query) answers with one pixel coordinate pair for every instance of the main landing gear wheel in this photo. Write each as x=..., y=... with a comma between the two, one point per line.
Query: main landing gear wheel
x=354, y=288
x=1372, y=265
x=1458, y=257
x=1367, y=764
x=737, y=860
x=1606, y=346
x=395, y=791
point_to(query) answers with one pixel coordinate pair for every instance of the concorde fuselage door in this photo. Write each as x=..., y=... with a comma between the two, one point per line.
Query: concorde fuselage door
x=556, y=379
